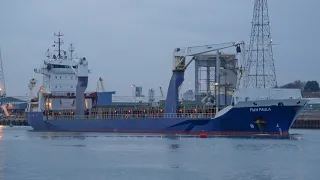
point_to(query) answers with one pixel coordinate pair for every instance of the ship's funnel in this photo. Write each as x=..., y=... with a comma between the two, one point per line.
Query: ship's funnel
x=81, y=86
x=80, y=89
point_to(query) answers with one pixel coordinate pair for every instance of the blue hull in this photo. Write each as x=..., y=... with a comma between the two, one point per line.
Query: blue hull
x=237, y=121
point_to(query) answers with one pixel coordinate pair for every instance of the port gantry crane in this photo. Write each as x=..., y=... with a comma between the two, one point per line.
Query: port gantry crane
x=180, y=65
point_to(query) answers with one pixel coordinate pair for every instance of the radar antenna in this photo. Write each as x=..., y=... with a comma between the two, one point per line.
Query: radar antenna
x=60, y=42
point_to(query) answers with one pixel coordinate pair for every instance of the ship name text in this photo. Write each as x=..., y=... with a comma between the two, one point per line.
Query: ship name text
x=260, y=109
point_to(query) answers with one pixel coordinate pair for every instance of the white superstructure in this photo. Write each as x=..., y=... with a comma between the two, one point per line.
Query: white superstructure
x=60, y=74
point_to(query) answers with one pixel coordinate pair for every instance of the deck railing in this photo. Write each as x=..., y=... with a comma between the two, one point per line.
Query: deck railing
x=18, y=118
x=131, y=116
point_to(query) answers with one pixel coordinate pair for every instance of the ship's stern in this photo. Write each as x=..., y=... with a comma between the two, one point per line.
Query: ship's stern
x=35, y=120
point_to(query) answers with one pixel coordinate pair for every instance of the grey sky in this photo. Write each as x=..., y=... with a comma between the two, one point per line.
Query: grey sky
x=131, y=41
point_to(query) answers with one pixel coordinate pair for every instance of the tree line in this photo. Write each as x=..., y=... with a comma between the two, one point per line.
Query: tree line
x=306, y=86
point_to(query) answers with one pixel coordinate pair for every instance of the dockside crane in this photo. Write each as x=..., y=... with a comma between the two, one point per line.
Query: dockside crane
x=180, y=65
x=3, y=91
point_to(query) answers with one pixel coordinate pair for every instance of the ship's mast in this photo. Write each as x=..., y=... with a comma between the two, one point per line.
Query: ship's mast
x=59, y=35
x=48, y=54
x=71, y=49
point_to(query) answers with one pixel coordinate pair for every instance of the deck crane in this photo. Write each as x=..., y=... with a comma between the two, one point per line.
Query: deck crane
x=180, y=65
x=161, y=91
x=100, y=81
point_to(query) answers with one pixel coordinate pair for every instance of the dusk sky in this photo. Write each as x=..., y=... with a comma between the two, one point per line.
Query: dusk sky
x=131, y=41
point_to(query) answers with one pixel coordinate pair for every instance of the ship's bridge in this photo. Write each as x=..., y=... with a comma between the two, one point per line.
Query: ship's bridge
x=58, y=75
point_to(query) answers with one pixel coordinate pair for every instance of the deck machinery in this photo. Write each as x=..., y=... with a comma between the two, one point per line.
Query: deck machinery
x=181, y=64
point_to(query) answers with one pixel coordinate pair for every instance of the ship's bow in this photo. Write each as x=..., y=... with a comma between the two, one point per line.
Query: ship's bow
x=301, y=105
x=262, y=117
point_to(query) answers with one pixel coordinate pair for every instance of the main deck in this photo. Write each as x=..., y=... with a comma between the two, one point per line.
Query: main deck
x=135, y=112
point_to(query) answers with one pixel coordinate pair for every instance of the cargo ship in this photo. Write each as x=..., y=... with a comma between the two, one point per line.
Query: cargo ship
x=62, y=103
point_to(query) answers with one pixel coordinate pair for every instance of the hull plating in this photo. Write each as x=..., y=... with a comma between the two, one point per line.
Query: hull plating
x=238, y=121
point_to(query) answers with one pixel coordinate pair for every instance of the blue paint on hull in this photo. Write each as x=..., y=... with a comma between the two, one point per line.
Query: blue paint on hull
x=237, y=121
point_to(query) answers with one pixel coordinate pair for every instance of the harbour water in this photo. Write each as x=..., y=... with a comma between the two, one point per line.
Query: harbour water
x=25, y=154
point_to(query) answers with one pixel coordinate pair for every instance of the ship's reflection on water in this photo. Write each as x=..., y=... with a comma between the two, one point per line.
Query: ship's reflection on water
x=261, y=147
x=142, y=156
x=2, y=155
x=83, y=136
x=264, y=173
x=174, y=147
x=58, y=135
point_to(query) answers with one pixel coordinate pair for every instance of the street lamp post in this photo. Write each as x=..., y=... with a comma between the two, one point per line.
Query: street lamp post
x=217, y=92
x=1, y=96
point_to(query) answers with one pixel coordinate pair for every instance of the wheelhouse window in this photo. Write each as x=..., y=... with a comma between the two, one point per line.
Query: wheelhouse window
x=63, y=66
